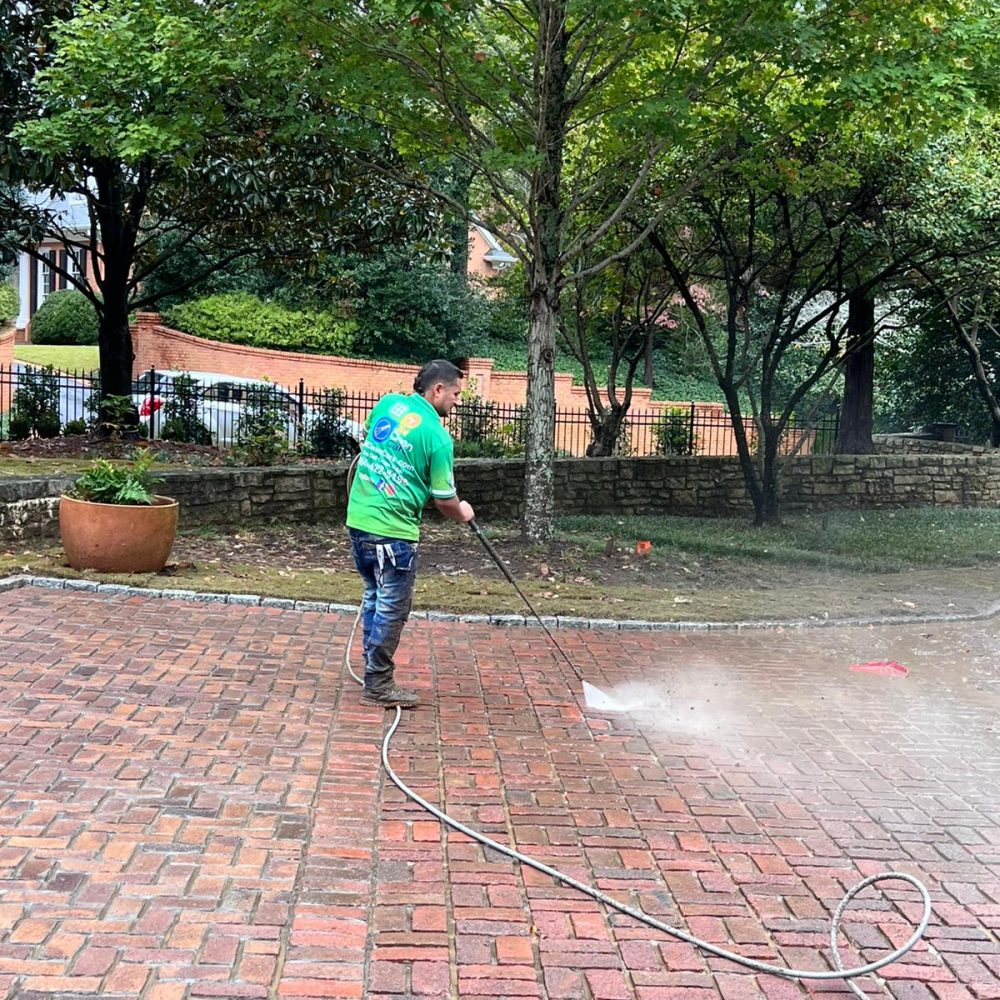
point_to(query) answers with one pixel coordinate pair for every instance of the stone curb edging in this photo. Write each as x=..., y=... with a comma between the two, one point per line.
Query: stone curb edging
x=504, y=620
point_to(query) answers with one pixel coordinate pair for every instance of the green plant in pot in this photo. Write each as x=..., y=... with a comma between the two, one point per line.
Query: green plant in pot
x=113, y=522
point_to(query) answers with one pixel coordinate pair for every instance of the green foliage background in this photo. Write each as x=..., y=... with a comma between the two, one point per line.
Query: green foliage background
x=8, y=304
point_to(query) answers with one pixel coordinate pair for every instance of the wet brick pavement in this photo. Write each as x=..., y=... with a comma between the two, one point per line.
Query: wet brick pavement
x=191, y=806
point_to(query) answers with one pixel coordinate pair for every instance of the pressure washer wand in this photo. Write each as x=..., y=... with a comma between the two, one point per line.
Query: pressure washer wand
x=501, y=565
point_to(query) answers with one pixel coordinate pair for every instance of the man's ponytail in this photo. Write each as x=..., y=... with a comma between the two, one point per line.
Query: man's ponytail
x=434, y=372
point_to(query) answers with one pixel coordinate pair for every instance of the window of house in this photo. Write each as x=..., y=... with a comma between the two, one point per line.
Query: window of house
x=75, y=264
x=47, y=276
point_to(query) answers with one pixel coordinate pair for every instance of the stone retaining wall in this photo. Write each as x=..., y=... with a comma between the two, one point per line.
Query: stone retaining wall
x=904, y=444
x=694, y=485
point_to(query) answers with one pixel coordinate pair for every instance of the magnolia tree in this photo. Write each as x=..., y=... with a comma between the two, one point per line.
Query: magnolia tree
x=180, y=127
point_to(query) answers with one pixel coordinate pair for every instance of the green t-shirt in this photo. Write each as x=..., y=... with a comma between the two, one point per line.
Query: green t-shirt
x=407, y=457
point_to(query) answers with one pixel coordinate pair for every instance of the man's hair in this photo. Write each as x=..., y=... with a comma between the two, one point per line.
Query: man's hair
x=436, y=371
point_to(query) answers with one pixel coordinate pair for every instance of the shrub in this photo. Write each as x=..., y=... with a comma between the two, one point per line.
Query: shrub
x=48, y=426
x=328, y=434
x=261, y=434
x=18, y=427
x=182, y=414
x=478, y=432
x=78, y=426
x=407, y=304
x=239, y=318
x=8, y=304
x=114, y=416
x=672, y=433
x=36, y=402
x=65, y=317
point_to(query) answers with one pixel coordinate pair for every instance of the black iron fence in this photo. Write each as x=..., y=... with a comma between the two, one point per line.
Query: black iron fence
x=224, y=410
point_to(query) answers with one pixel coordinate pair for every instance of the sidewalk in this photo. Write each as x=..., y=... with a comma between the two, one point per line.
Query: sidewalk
x=192, y=805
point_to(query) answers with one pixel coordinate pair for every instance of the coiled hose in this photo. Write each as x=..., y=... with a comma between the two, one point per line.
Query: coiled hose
x=750, y=963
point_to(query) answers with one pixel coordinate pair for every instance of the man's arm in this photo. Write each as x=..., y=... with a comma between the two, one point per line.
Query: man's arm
x=455, y=509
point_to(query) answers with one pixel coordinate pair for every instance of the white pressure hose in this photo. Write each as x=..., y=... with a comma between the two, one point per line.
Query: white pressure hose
x=750, y=963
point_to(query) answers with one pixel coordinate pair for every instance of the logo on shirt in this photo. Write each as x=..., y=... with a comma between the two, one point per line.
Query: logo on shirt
x=382, y=429
x=385, y=487
x=408, y=423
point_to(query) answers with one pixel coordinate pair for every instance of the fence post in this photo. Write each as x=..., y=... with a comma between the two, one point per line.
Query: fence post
x=302, y=412
x=152, y=404
x=691, y=430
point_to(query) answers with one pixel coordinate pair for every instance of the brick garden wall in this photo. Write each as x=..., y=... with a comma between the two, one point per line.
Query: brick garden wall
x=159, y=346
x=686, y=486
x=7, y=334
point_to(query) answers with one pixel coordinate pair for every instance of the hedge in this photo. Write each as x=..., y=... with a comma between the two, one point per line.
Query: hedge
x=240, y=318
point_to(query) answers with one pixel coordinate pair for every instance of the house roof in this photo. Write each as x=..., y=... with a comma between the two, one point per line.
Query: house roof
x=70, y=214
x=496, y=253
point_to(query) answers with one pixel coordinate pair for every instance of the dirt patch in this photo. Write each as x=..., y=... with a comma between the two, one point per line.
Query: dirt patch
x=83, y=446
x=310, y=562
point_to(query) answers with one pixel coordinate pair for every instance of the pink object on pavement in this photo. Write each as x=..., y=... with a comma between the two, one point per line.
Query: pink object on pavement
x=885, y=668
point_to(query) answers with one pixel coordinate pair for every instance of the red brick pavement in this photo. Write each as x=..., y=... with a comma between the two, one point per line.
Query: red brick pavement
x=191, y=806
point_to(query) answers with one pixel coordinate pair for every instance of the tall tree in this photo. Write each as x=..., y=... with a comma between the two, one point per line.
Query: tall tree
x=950, y=298
x=575, y=112
x=614, y=319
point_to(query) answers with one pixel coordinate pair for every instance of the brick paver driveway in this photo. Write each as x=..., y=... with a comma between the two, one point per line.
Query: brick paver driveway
x=191, y=805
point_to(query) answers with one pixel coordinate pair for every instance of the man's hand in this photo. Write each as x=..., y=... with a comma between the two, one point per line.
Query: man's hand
x=456, y=510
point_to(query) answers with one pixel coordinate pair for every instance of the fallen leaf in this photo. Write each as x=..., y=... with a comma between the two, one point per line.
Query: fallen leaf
x=682, y=600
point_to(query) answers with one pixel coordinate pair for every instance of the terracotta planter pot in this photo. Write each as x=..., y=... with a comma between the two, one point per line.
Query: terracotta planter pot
x=118, y=538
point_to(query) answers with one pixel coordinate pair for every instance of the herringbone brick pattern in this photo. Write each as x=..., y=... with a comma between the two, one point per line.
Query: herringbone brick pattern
x=192, y=806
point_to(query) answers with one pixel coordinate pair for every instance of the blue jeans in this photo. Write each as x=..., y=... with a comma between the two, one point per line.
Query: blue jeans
x=387, y=566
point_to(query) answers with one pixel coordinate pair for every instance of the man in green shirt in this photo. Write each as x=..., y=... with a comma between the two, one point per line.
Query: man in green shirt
x=407, y=459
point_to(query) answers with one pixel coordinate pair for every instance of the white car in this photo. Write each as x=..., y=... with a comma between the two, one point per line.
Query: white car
x=222, y=400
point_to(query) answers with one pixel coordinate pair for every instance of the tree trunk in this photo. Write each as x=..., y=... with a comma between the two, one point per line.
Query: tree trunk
x=606, y=433
x=766, y=503
x=545, y=206
x=539, y=498
x=115, y=345
x=118, y=221
x=459, y=226
x=647, y=370
x=854, y=436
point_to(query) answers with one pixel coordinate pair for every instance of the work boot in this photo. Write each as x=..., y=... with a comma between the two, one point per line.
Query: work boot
x=391, y=697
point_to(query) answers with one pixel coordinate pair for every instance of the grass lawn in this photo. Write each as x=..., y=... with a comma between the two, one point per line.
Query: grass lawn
x=884, y=541
x=62, y=357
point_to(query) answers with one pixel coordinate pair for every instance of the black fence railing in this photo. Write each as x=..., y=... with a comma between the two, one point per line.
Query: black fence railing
x=222, y=410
